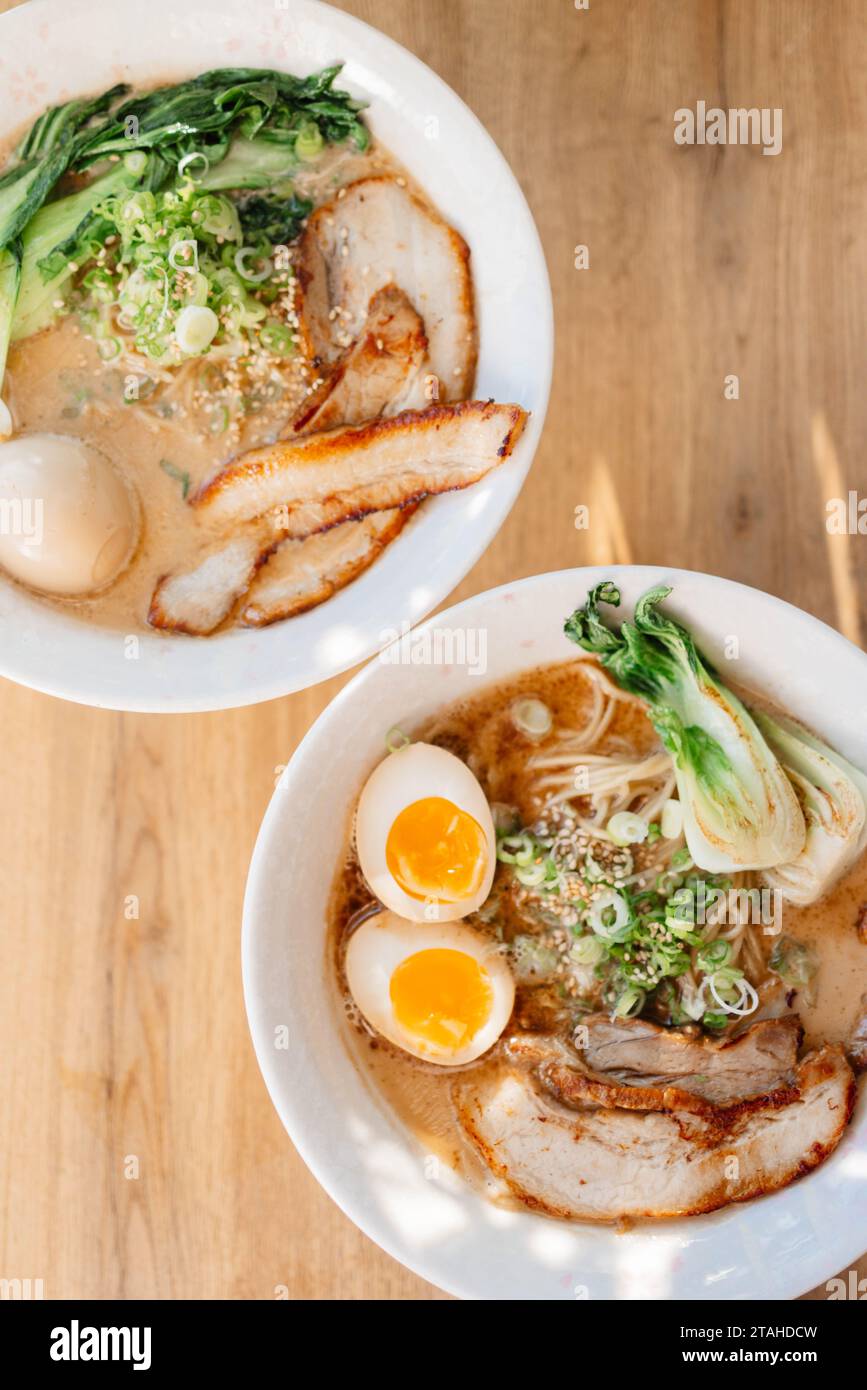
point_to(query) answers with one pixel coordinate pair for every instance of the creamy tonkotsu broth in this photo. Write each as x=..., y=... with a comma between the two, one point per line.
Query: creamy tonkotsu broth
x=510, y=767
x=238, y=351
x=174, y=435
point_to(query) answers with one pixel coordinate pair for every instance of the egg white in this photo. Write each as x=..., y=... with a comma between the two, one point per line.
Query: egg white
x=88, y=515
x=379, y=946
x=411, y=774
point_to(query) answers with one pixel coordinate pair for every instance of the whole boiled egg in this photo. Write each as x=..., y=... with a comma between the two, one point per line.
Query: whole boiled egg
x=70, y=521
x=425, y=836
x=440, y=991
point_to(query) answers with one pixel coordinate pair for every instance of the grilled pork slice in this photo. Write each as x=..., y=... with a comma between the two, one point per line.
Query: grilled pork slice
x=198, y=600
x=346, y=473
x=374, y=375
x=304, y=573
x=374, y=233
x=371, y=377
x=565, y=1074
x=637, y=1052
x=603, y=1165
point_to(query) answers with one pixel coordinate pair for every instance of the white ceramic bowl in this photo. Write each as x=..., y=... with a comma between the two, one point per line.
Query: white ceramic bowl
x=51, y=51
x=776, y=1247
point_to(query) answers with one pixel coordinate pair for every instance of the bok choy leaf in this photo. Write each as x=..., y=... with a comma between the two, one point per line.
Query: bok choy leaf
x=740, y=811
x=833, y=797
x=10, y=278
x=248, y=164
x=45, y=154
x=200, y=115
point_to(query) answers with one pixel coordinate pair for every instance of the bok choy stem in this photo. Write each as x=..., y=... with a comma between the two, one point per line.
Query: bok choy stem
x=833, y=795
x=740, y=811
x=10, y=279
x=52, y=242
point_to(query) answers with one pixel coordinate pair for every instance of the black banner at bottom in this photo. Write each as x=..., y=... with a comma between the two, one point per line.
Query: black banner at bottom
x=152, y=1338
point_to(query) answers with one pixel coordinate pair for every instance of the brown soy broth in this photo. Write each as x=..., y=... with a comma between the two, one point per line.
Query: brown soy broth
x=480, y=731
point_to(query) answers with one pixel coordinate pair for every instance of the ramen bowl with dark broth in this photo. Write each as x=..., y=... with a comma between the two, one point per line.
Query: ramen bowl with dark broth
x=253, y=350
x=568, y=940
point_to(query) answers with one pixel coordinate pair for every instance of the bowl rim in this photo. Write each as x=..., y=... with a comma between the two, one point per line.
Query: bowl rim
x=292, y=1108
x=83, y=652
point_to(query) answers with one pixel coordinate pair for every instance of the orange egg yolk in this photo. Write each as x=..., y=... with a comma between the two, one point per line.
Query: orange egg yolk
x=442, y=997
x=436, y=850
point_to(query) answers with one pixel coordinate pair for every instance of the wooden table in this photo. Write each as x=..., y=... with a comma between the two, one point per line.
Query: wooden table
x=128, y=1038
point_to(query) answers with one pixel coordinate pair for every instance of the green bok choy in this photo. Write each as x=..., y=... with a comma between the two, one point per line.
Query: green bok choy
x=740, y=811
x=833, y=796
x=231, y=129
x=10, y=279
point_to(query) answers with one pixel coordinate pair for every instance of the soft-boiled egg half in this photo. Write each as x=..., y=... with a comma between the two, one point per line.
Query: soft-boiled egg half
x=70, y=523
x=425, y=835
x=438, y=990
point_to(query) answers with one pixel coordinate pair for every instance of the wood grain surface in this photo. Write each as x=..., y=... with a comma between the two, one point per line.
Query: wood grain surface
x=128, y=1038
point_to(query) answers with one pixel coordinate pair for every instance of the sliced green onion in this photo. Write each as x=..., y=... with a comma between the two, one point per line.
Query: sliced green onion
x=532, y=718
x=135, y=162
x=189, y=253
x=681, y=859
x=793, y=961
x=531, y=960
x=396, y=739
x=109, y=349
x=714, y=1020
x=593, y=872
x=667, y=882
x=532, y=875
x=255, y=277
x=588, y=950
x=627, y=829
x=608, y=915
x=277, y=338
x=196, y=326
x=630, y=1003
x=516, y=849
x=729, y=978
x=195, y=156
x=714, y=955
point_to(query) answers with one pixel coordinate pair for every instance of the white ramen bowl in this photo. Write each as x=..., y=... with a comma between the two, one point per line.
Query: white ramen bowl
x=374, y=1168
x=51, y=51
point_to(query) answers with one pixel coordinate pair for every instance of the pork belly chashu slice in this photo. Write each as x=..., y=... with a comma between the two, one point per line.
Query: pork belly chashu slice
x=756, y=1066
x=374, y=377
x=638, y=1052
x=302, y=574
x=371, y=377
x=607, y=1164
x=347, y=473
x=374, y=232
